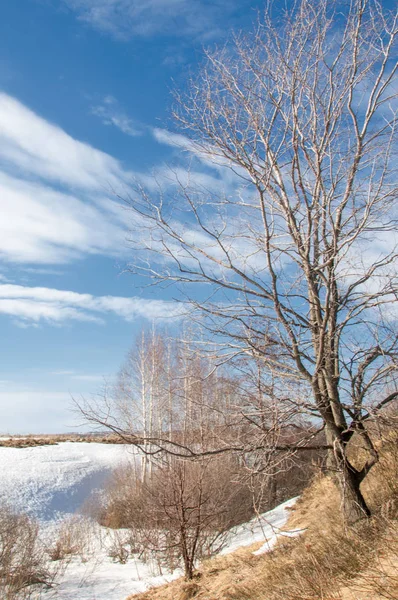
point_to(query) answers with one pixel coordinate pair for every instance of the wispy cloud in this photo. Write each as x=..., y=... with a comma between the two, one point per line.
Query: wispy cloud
x=42, y=225
x=110, y=113
x=62, y=373
x=36, y=304
x=42, y=271
x=36, y=147
x=202, y=151
x=70, y=374
x=175, y=140
x=124, y=19
x=90, y=378
x=56, y=192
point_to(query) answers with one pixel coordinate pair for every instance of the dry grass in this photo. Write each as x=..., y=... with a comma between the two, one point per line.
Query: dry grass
x=23, y=566
x=74, y=538
x=26, y=442
x=29, y=441
x=328, y=562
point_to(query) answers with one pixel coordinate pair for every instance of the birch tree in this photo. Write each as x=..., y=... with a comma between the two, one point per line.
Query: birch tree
x=167, y=395
x=298, y=260
x=142, y=390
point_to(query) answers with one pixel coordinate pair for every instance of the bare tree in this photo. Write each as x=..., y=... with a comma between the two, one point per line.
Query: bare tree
x=299, y=258
x=170, y=399
x=180, y=514
x=143, y=389
x=167, y=394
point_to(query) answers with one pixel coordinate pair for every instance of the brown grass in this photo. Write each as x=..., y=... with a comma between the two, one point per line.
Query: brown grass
x=29, y=441
x=74, y=537
x=23, y=566
x=26, y=442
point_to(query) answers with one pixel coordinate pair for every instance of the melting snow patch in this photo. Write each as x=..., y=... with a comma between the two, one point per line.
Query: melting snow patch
x=266, y=527
x=269, y=544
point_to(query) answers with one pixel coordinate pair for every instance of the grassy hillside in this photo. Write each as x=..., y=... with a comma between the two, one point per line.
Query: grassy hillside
x=328, y=562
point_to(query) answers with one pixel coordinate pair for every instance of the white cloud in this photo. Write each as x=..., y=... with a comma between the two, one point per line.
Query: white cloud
x=164, y=136
x=42, y=271
x=42, y=225
x=33, y=310
x=56, y=192
x=89, y=377
x=62, y=373
x=41, y=149
x=125, y=19
x=111, y=114
x=36, y=304
x=210, y=157
x=55, y=208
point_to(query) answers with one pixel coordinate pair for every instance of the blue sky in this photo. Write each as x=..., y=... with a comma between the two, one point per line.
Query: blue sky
x=84, y=110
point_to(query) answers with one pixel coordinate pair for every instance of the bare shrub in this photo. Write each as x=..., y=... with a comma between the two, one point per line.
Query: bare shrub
x=180, y=512
x=118, y=548
x=73, y=538
x=23, y=567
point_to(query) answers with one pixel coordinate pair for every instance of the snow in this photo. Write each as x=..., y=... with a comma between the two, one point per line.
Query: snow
x=268, y=527
x=270, y=542
x=52, y=482
x=99, y=578
x=49, y=482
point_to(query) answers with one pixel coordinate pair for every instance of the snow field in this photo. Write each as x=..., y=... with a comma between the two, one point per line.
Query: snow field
x=49, y=482
x=52, y=482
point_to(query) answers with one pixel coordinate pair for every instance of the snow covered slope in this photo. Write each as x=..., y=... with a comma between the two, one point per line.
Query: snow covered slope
x=49, y=482
x=264, y=528
x=99, y=578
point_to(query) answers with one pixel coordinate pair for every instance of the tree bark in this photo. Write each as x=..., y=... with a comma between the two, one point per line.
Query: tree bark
x=347, y=477
x=354, y=504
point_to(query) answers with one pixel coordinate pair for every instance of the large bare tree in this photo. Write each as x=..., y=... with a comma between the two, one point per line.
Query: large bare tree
x=297, y=259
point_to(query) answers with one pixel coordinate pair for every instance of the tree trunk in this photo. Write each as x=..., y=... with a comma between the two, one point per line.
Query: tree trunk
x=272, y=489
x=353, y=503
x=347, y=477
